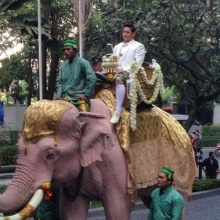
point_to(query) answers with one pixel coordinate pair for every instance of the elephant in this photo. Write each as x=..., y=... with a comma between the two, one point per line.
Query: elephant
x=79, y=151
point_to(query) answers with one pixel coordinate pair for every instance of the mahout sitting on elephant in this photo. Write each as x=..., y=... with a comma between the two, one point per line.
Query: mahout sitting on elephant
x=85, y=154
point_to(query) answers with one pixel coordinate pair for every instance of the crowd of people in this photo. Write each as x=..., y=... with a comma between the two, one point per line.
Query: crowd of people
x=210, y=165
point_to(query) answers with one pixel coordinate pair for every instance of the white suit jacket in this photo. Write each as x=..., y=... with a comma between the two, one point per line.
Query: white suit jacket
x=134, y=51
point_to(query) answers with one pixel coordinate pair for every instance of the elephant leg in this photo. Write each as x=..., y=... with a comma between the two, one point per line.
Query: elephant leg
x=117, y=205
x=74, y=210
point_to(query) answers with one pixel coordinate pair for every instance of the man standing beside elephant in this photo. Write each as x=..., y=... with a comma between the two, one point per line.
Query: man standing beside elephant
x=166, y=203
x=77, y=80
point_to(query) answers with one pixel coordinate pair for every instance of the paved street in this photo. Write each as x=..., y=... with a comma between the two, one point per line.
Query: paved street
x=201, y=209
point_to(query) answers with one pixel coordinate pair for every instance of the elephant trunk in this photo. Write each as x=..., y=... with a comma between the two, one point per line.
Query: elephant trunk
x=29, y=209
x=15, y=197
x=20, y=191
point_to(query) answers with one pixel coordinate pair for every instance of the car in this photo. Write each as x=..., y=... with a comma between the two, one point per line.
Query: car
x=182, y=120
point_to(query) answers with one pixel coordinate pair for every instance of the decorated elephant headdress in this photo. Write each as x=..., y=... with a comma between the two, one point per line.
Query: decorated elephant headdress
x=41, y=120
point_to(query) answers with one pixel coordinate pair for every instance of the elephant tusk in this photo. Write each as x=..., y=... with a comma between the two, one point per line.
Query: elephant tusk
x=29, y=209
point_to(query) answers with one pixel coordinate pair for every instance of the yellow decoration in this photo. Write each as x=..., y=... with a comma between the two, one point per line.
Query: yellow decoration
x=123, y=127
x=46, y=185
x=41, y=119
x=110, y=65
x=158, y=141
x=27, y=211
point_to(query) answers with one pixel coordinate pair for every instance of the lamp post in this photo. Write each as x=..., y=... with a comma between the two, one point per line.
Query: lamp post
x=200, y=165
x=80, y=30
x=39, y=51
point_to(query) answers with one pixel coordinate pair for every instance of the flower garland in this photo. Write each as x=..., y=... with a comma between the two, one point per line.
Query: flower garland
x=156, y=80
x=47, y=191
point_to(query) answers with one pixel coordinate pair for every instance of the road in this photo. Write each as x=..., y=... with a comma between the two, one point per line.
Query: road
x=195, y=210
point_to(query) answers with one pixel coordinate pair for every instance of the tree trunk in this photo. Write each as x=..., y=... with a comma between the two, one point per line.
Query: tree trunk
x=195, y=107
x=30, y=83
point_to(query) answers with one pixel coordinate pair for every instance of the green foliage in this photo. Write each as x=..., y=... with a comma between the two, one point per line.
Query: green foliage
x=19, y=67
x=201, y=185
x=9, y=154
x=95, y=203
x=210, y=141
x=57, y=4
x=18, y=91
x=11, y=69
x=13, y=137
x=210, y=135
x=8, y=147
x=25, y=17
x=211, y=130
x=181, y=37
x=3, y=188
x=168, y=93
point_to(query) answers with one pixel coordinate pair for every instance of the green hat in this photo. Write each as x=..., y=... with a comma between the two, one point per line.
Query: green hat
x=70, y=43
x=168, y=172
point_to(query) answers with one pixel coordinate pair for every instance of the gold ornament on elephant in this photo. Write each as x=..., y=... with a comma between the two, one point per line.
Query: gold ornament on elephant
x=110, y=65
x=41, y=119
x=27, y=211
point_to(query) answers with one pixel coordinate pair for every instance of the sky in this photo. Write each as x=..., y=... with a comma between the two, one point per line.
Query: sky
x=11, y=51
x=16, y=47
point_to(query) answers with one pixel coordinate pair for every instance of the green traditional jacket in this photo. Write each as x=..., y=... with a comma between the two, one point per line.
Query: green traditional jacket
x=76, y=78
x=49, y=210
x=167, y=205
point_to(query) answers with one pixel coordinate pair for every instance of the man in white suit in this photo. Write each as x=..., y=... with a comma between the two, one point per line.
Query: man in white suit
x=127, y=51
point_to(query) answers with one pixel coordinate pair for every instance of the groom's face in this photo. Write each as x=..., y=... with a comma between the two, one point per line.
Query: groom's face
x=127, y=34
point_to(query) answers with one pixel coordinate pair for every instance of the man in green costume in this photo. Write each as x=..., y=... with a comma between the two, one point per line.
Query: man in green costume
x=49, y=209
x=77, y=80
x=167, y=203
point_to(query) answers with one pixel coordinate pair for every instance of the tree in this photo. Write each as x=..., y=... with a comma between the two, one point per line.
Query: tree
x=12, y=70
x=183, y=36
x=57, y=24
x=186, y=38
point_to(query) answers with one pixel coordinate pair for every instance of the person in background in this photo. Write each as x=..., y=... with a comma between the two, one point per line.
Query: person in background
x=127, y=51
x=193, y=140
x=210, y=166
x=77, y=80
x=167, y=203
x=199, y=142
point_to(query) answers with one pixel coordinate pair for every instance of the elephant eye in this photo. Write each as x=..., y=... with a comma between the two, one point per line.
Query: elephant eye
x=50, y=156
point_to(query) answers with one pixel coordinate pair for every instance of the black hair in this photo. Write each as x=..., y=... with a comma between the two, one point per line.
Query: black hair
x=210, y=153
x=131, y=26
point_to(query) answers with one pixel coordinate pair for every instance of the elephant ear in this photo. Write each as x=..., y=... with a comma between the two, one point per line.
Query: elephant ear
x=96, y=136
